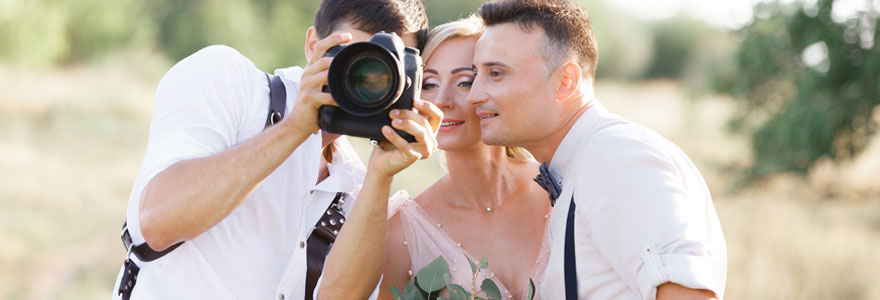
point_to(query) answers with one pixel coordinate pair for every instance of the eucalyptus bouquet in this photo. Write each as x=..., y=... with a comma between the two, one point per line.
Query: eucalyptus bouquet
x=434, y=277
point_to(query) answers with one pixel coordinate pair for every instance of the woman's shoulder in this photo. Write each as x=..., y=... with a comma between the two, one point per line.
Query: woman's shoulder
x=397, y=201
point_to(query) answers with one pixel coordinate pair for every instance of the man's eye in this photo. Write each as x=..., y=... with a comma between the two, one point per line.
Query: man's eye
x=494, y=73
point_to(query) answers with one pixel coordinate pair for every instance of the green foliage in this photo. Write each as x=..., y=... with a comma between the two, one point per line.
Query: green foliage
x=676, y=42
x=624, y=43
x=434, y=277
x=800, y=111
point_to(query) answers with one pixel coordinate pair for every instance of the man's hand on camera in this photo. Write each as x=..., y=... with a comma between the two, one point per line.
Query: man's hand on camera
x=309, y=97
x=394, y=155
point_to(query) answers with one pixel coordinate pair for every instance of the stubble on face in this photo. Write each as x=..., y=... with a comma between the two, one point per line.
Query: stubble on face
x=513, y=79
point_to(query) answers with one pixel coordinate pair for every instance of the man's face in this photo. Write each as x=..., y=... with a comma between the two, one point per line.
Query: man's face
x=513, y=92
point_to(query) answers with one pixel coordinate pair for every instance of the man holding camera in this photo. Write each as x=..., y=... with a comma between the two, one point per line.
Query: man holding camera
x=230, y=190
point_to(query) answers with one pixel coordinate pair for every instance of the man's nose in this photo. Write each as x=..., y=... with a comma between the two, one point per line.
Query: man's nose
x=477, y=95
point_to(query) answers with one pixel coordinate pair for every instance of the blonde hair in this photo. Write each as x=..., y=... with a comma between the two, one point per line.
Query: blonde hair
x=471, y=26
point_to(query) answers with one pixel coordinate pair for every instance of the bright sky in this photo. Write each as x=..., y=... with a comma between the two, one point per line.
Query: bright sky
x=731, y=13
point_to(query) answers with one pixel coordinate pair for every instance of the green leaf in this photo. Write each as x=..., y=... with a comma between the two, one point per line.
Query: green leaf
x=473, y=265
x=434, y=276
x=484, y=263
x=411, y=292
x=456, y=292
x=441, y=298
x=395, y=293
x=531, y=289
x=491, y=289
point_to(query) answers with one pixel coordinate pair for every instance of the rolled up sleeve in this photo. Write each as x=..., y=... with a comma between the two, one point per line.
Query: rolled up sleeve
x=199, y=107
x=643, y=218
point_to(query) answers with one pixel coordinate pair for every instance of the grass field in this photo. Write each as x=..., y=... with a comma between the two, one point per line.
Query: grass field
x=71, y=142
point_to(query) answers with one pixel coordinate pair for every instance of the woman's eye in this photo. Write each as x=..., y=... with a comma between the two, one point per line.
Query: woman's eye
x=429, y=86
x=466, y=83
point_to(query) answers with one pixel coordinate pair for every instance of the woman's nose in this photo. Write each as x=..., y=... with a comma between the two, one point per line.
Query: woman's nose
x=444, y=98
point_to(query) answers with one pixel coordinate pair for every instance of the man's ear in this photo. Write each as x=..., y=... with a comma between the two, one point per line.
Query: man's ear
x=311, y=41
x=569, y=81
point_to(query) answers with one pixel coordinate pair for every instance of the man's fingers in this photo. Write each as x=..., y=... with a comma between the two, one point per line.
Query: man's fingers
x=328, y=42
x=315, y=81
x=320, y=99
x=317, y=66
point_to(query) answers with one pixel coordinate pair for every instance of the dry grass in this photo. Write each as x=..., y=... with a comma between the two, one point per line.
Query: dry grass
x=73, y=139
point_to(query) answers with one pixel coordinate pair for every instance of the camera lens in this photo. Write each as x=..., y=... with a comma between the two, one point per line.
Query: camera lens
x=369, y=80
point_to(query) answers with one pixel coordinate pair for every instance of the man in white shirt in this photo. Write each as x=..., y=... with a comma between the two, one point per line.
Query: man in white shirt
x=240, y=199
x=643, y=225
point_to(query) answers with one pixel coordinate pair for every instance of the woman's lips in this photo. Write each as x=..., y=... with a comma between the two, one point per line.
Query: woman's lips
x=449, y=125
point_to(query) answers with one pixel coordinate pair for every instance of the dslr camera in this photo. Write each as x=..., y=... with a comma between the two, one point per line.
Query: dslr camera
x=367, y=80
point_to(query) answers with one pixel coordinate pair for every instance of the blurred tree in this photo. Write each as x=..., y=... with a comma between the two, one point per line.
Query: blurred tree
x=807, y=85
x=625, y=44
x=676, y=41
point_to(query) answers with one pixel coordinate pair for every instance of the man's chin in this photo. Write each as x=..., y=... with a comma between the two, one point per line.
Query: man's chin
x=493, y=139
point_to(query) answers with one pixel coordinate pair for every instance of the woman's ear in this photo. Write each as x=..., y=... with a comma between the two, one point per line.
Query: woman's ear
x=311, y=42
x=569, y=81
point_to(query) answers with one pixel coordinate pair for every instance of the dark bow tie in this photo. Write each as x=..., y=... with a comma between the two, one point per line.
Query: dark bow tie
x=546, y=181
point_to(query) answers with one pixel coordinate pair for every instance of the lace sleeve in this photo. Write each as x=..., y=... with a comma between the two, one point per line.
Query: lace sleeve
x=396, y=201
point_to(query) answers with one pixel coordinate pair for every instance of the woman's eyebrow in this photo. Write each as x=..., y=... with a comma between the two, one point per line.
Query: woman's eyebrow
x=432, y=71
x=462, y=69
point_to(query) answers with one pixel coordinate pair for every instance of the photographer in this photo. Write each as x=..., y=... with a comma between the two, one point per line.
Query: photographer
x=226, y=200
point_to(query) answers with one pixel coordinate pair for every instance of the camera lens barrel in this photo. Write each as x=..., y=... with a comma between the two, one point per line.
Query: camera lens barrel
x=365, y=79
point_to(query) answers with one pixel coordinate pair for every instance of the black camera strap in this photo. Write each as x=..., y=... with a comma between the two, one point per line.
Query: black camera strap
x=319, y=242
x=277, y=100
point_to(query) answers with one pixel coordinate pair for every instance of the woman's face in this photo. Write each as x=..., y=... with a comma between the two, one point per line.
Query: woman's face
x=448, y=75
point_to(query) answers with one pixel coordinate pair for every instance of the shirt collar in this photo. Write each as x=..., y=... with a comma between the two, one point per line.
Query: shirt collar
x=346, y=170
x=581, y=130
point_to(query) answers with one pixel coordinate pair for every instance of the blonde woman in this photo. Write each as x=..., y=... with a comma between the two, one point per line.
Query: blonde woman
x=486, y=206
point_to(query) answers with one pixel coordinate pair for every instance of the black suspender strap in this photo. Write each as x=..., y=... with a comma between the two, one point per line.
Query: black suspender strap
x=144, y=253
x=277, y=107
x=571, y=283
x=320, y=241
x=277, y=100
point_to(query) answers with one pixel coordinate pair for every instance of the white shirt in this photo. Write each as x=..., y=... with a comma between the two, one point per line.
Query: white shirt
x=643, y=214
x=207, y=103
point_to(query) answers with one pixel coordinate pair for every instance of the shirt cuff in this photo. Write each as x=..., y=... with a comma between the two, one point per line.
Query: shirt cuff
x=690, y=271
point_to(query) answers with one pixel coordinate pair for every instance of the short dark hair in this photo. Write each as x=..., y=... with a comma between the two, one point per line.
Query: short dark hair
x=399, y=16
x=567, y=27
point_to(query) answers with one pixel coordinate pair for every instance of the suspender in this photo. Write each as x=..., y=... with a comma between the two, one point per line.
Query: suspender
x=571, y=283
x=319, y=242
x=277, y=100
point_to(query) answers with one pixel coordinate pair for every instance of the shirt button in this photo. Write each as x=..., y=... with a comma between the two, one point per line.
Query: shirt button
x=281, y=296
x=301, y=245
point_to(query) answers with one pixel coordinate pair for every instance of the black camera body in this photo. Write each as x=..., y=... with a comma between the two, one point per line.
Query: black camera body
x=367, y=80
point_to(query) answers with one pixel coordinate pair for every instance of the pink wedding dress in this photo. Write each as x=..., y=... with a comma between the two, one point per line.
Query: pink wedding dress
x=427, y=240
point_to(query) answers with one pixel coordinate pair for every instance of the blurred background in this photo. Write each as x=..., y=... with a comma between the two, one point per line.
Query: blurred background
x=776, y=103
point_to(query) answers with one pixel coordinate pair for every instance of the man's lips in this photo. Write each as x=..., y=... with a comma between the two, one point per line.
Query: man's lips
x=485, y=116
